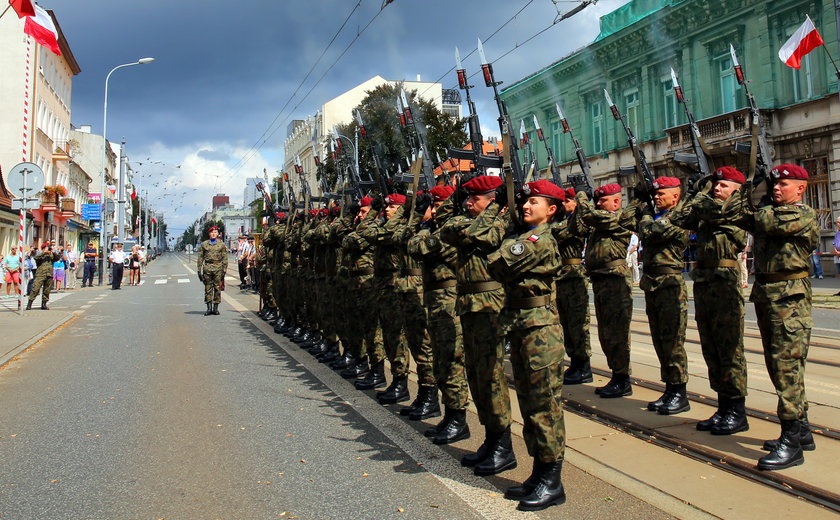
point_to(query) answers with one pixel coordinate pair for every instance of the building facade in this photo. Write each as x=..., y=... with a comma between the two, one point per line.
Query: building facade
x=86, y=163
x=632, y=56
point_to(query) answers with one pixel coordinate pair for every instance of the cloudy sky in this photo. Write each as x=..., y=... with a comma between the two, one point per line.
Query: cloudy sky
x=224, y=70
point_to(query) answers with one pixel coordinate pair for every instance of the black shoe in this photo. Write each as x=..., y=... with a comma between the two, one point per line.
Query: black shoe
x=548, y=491
x=216, y=309
x=619, y=386
x=29, y=305
x=343, y=361
x=654, y=405
x=579, y=372
x=714, y=420
x=282, y=329
x=471, y=459
x=44, y=306
x=788, y=451
x=357, y=369
x=374, y=379
x=526, y=488
x=806, y=438
x=734, y=419
x=500, y=456
x=209, y=310
x=676, y=403
x=406, y=410
x=436, y=429
x=331, y=354
x=396, y=393
x=428, y=405
x=455, y=430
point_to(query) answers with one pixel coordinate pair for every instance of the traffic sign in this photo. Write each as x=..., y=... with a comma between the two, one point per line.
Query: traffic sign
x=31, y=203
x=28, y=174
x=189, y=248
x=91, y=211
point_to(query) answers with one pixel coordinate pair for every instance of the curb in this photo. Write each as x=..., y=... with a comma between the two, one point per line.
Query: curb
x=5, y=358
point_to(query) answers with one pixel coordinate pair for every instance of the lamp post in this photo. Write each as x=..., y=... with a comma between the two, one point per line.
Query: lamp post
x=102, y=220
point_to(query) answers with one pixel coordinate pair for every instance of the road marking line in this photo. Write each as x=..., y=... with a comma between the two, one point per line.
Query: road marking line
x=183, y=280
x=160, y=282
x=84, y=306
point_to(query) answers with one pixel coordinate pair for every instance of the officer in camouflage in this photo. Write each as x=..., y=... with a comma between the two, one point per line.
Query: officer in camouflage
x=212, y=266
x=43, y=281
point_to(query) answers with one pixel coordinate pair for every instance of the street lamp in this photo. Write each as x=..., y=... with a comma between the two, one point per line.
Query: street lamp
x=102, y=233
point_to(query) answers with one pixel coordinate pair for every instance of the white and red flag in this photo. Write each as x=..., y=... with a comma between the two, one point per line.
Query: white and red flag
x=42, y=28
x=22, y=7
x=803, y=41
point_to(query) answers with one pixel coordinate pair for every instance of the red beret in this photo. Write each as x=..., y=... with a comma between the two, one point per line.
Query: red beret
x=324, y=212
x=544, y=188
x=281, y=215
x=395, y=198
x=441, y=193
x=570, y=193
x=313, y=212
x=789, y=171
x=661, y=183
x=483, y=184
x=212, y=228
x=46, y=245
x=335, y=210
x=366, y=201
x=728, y=173
x=607, y=190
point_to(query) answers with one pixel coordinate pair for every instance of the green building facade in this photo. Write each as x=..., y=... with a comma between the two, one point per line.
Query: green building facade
x=632, y=57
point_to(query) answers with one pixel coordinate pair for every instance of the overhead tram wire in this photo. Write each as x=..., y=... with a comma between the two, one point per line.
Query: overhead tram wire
x=297, y=89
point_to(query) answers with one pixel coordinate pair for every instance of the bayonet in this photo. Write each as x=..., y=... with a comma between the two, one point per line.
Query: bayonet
x=697, y=143
x=641, y=166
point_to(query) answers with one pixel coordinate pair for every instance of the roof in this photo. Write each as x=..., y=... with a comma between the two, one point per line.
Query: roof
x=64, y=46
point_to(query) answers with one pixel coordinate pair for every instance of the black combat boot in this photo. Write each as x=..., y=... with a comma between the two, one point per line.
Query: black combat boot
x=295, y=334
x=343, y=361
x=471, y=459
x=29, y=305
x=428, y=405
x=374, y=379
x=44, y=306
x=282, y=329
x=406, y=410
x=500, y=456
x=676, y=403
x=436, y=429
x=788, y=451
x=314, y=339
x=579, y=372
x=209, y=310
x=455, y=430
x=549, y=490
x=305, y=335
x=216, y=309
x=357, y=369
x=654, y=405
x=396, y=393
x=526, y=488
x=331, y=354
x=619, y=386
x=734, y=419
x=806, y=438
x=714, y=420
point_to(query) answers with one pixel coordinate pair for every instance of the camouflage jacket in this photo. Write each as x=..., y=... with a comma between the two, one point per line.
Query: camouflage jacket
x=339, y=228
x=386, y=256
x=474, y=239
x=212, y=256
x=527, y=263
x=610, y=236
x=359, y=252
x=410, y=273
x=44, y=261
x=570, y=235
x=663, y=245
x=438, y=258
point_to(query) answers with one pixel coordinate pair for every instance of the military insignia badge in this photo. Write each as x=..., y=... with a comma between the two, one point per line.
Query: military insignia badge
x=431, y=242
x=517, y=249
x=534, y=238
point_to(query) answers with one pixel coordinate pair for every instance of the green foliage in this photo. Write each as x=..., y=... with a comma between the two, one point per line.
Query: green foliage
x=205, y=230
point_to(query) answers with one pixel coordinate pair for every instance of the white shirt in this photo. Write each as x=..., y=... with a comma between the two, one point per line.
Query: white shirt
x=118, y=256
x=634, y=242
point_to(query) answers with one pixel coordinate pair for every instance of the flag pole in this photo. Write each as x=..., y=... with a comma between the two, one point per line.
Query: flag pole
x=5, y=10
x=836, y=70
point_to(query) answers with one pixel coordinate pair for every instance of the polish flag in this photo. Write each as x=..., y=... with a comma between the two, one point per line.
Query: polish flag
x=133, y=193
x=803, y=41
x=42, y=28
x=22, y=7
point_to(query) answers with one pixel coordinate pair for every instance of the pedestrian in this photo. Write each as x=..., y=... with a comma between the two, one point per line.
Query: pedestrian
x=12, y=270
x=59, y=270
x=743, y=257
x=29, y=268
x=143, y=259
x=244, y=253
x=90, y=256
x=633, y=258
x=816, y=255
x=212, y=265
x=134, y=266
x=72, y=258
x=117, y=258
x=43, y=281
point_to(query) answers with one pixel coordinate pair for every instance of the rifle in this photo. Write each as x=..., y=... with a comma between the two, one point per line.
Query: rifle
x=421, y=148
x=530, y=156
x=588, y=183
x=378, y=177
x=758, y=148
x=514, y=176
x=642, y=167
x=697, y=143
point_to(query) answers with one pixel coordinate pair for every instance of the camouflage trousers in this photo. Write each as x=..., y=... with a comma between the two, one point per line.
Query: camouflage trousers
x=391, y=320
x=484, y=355
x=783, y=311
x=267, y=290
x=614, y=310
x=43, y=284
x=667, y=311
x=719, y=311
x=573, y=308
x=535, y=355
x=417, y=335
x=447, y=348
x=364, y=337
x=213, y=285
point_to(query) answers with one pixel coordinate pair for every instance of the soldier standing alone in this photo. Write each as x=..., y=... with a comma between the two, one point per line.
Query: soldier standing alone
x=212, y=266
x=43, y=276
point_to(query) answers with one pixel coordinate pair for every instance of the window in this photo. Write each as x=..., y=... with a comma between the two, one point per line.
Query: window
x=596, y=113
x=631, y=101
x=817, y=195
x=669, y=103
x=556, y=135
x=728, y=84
x=803, y=87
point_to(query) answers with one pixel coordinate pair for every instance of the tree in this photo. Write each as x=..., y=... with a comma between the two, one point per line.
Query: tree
x=205, y=231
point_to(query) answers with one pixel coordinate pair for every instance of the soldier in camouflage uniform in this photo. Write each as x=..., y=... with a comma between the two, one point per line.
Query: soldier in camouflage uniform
x=43, y=281
x=785, y=231
x=212, y=266
x=440, y=293
x=606, y=248
x=263, y=261
x=666, y=298
x=527, y=263
x=572, y=292
x=719, y=305
x=338, y=314
x=480, y=299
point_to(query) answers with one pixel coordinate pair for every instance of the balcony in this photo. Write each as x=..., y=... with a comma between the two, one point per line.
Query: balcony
x=61, y=152
x=49, y=201
x=723, y=128
x=68, y=207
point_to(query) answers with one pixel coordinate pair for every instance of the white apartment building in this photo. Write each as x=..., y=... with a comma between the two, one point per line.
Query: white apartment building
x=302, y=134
x=251, y=194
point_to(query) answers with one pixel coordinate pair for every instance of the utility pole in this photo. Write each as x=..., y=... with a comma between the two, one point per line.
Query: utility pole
x=121, y=195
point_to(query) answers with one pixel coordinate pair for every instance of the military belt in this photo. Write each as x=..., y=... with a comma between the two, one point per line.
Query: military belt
x=472, y=288
x=779, y=277
x=362, y=272
x=211, y=263
x=662, y=270
x=440, y=285
x=710, y=264
x=528, y=303
x=411, y=272
x=614, y=263
x=571, y=261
